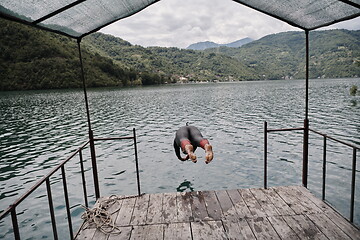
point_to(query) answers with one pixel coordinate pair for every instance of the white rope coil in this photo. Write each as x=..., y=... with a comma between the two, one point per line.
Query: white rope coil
x=100, y=217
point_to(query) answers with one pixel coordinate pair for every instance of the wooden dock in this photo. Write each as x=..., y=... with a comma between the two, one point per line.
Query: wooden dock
x=274, y=213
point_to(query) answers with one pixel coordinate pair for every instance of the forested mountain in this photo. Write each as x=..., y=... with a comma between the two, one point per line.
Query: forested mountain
x=35, y=59
x=172, y=62
x=333, y=54
x=208, y=44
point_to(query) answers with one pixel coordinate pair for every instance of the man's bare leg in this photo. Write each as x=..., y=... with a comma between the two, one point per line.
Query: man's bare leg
x=190, y=151
x=209, y=155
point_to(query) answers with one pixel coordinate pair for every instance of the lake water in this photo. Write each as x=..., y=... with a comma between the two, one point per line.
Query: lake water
x=38, y=129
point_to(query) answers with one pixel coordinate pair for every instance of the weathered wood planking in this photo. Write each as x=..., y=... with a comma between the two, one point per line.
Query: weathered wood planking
x=304, y=227
x=212, y=205
x=265, y=203
x=125, y=212
x=209, y=230
x=178, y=231
x=282, y=228
x=198, y=207
x=169, y=208
x=274, y=213
x=183, y=203
x=155, y=209
x=147, y=232
x=227, y=207
x=238, y=230
x=140, y=210
x=262, y=228
x=281, y=206
x=239, y=204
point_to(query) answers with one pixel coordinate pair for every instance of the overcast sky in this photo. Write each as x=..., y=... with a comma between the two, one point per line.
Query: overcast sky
x=179, y=23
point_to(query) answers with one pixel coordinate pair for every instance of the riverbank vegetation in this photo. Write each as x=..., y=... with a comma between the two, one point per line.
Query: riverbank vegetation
x=35, y=59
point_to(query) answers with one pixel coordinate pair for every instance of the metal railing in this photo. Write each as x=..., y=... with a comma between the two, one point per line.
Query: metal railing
x=46, y=180
x=325, y=137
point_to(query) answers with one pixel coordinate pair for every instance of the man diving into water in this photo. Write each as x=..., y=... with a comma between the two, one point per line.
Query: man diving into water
x=188, y=138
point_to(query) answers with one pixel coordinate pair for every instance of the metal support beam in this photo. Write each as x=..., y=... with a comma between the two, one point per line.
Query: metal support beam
x=91, y=135
x=265, y=154
x=353, y=180
x=307, y=75
x=306, y=121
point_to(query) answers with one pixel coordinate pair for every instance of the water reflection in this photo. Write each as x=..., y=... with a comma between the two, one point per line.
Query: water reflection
x=353, y=102
x=185, y=186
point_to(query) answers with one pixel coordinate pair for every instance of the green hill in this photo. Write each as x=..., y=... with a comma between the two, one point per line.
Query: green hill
x=35, y=59
x=170, y=62
x=333, y=54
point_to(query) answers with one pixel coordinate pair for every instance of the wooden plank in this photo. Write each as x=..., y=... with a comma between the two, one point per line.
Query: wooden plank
x=198, y=207
x=281, y=206
x=148, y=232
x=262, y=228
x=169, y=208
x=291, y=200
x=305, y=200
x=100, y=235
x=238, y=230
x=124, y=235
x=126, y=211
x=239, y=203
x=208, y=230
x=86, y=234
x=227, y=207
x=154, y=214
x=335, y=217
x=264, y=202
x=183, y=202
x=327, y=226
x=304, y=227
x=140, y=210
x=342, y=223
x=282, y=228
x=177, y=231
x=253, y=205
x=212, y=205
x=318, y=202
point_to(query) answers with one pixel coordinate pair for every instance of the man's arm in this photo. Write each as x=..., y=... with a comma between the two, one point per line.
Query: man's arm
x=177, y=152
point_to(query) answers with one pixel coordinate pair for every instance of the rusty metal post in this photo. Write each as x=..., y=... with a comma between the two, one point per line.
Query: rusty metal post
x=15, y=224
x=324, y=169
x=67, y=203
x=306, y=121
x=265, y=154
x=136, y=163
x=353, y=179
x=91, y=135
x=51, y=208
x=83, y=178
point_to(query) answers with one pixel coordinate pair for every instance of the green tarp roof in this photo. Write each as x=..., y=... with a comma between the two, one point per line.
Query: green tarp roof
x=79, y=18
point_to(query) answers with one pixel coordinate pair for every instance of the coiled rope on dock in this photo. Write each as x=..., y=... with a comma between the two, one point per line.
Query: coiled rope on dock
x=100, y=217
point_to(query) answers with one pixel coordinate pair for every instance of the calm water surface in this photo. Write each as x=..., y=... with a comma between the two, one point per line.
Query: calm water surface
x=39, y=129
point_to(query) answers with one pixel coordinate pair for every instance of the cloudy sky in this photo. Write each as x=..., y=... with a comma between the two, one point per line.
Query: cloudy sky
x=179, y=23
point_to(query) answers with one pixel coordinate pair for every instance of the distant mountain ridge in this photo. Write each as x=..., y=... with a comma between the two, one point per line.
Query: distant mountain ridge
x=208, y=44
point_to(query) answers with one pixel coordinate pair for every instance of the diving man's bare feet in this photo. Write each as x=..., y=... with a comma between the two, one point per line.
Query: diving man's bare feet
x=208, y=153
x=190, y=151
